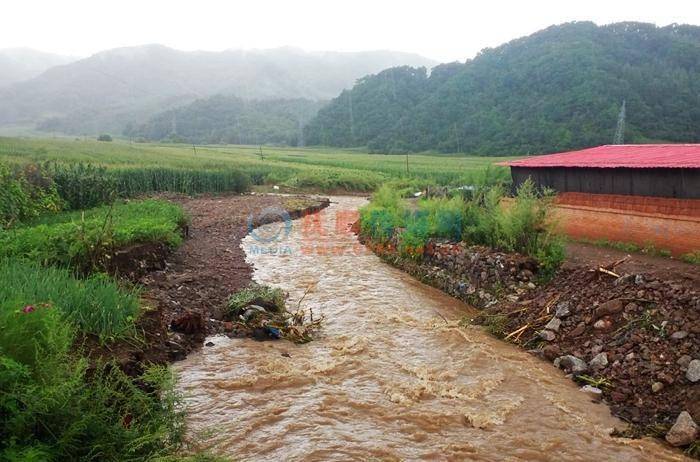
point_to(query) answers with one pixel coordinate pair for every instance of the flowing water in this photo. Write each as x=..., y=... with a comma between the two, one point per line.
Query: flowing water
x=391, y=375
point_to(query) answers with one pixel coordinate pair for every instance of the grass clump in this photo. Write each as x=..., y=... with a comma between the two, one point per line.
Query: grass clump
x=95, y=305
x=272, y=299
x=692, y=258
x=84, y=239
x=495, y=325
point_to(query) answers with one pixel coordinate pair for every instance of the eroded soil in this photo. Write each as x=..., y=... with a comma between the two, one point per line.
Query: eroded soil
x=192, y=284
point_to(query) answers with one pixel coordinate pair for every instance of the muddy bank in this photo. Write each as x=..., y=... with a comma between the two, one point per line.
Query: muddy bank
x=633, y=339
x=186, y=288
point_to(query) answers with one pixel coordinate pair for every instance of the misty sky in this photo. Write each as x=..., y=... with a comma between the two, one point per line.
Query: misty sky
x=442, y=30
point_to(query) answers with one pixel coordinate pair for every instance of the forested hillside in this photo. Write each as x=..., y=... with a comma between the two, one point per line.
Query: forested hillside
x=231, y=120
x=557, y=89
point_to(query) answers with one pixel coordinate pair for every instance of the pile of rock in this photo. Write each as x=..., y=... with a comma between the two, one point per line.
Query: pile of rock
x=637, y=334
x=477, y=274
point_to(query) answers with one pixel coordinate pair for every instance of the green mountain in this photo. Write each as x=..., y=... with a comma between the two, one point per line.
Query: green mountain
x=231, y=120
x=560, y=88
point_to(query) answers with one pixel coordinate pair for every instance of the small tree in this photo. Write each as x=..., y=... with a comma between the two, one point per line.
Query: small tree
x=104, y=137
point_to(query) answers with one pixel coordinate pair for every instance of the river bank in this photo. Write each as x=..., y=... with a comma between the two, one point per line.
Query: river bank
x=186, y=290
x=629, y=338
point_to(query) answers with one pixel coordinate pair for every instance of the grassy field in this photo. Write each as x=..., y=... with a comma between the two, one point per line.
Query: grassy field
x=304, y=168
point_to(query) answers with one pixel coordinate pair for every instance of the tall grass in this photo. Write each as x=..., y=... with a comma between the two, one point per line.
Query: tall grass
x=95, y=305
x=83, y=185
x=135, y=181
x=482, y=218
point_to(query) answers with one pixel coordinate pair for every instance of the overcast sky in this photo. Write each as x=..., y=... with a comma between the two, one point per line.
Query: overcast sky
x=442, y=30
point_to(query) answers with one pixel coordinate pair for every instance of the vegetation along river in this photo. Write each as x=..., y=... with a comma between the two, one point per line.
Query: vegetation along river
x=390, y=376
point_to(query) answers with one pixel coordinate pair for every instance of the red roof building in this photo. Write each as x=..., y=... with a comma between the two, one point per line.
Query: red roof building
x=642, y=193
x=620, y=156
x=656, y=170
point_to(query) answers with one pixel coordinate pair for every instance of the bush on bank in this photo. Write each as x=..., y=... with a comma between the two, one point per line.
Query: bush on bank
x=26, y=193
x=480, y=217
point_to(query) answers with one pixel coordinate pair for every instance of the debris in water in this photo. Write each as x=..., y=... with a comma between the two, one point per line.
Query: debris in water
x=260, y=312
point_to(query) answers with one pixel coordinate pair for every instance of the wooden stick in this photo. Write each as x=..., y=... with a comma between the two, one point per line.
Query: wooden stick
x=608, y=272
x=520, y=330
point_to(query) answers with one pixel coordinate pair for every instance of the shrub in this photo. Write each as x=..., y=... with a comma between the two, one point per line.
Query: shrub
x=94, y=305
x=692, y=257
x=104, y=137
x=524, y=226
x=25, y=194
x=434, y=218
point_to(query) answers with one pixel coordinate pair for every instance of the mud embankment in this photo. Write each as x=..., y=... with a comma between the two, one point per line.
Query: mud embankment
x=631, y=339
x=186, y=290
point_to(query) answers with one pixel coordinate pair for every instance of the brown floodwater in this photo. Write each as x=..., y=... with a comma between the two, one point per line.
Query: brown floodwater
x=390, y=376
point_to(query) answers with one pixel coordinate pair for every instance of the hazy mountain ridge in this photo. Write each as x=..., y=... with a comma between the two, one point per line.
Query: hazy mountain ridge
x=18, y=64
x=231, y=120
x=557, y=89
x=112, y=88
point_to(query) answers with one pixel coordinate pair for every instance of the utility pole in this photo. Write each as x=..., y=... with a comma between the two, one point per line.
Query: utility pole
x=620, y=130
x=261, y=153
x=194, y=149
x=407, y=172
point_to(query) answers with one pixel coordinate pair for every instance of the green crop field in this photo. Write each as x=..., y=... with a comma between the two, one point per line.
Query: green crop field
x=304, y=168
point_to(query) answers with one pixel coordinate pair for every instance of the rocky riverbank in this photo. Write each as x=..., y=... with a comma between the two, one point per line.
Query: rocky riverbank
x=631, y=340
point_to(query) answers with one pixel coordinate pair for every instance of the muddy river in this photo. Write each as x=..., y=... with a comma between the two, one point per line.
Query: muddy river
x=391, y=375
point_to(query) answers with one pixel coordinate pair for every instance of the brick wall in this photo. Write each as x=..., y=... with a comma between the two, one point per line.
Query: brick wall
x=670, y=224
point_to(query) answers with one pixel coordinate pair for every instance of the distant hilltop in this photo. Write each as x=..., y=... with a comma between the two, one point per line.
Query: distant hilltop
x=105, y=92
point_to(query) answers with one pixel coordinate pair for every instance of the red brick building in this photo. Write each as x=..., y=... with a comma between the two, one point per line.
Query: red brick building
x=644, y=194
